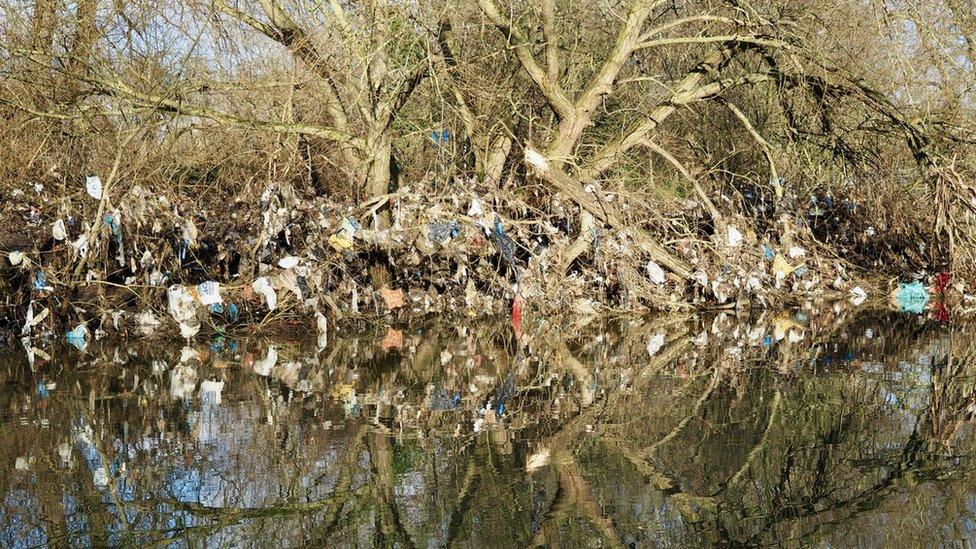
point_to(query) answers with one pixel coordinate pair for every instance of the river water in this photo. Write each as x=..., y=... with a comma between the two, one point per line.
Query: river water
x=826, y=428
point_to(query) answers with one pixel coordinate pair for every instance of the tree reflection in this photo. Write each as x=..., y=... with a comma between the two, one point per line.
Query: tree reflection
x=676, y=431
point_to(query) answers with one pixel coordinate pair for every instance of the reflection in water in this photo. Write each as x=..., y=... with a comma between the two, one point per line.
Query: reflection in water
x=668, y=432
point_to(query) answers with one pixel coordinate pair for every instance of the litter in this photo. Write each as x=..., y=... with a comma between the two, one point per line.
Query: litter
x=768, y=253
x=262, y=287
x=537, y=460
x=393, y=297
x=440, y=137
x=81, y=244
x=210, y=392
x=181, y=305
x=288, y=262
x=263, y=367
x=233, y=313
x=537, y=161
x=322, y=324
x=188, y=330
x=94, y=187
x=40, y=282
x=781, y=269
x=146, y=323
x=796, y=252
x=655, y=272
x=912, y=297
x=858, y=295
x=476, y=209
x=655, y=343
x=442, y=232
x=392, y=340
x=209, y=293
x=734, y=238
x=33, y=320
x=15, y=258
x=78, y=337
x=344, y=238
x=58, y=230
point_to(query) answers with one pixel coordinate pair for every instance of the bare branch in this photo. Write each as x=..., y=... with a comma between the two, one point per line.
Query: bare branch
x=117, y=88
x=560, y=103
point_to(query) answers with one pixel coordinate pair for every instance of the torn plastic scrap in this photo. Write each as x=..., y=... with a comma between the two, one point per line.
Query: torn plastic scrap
x=263, y=287
x=181, y=305
x=78, y=337
x=209, y=293
x=858, y=295
x=94, y=187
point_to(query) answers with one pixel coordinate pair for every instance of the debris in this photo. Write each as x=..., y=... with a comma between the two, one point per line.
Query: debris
x=23, y=463
x=537, y=460
x=40, y=282
x=80, y=245
x=100, y=477
x=537, y=161
x=263, y=287
x=188, y=330
x=209, y=293
x=146, y=323
x=181, y=305
x=858, y=295
x=768, y=253
x=440, y=137
x=655, y=343
x=781, y=269
x=442, y=232
x=288, y=262
x=232, y=312
x=734, y=237
x=210, y=391
x=58, y=231
x=392, y=297
x=64, y=453
x=796, y=252
x=264, y=366
x=323, y=329
x=476, y=209
x=504, y=243
x=94, y=187
x=78, y=337
x=392, y=340
x=15, y=258
x=782, y=325
x=655, y=272
x=33, y=320
x=517, y=315
x=912, y=297
x=344, y=238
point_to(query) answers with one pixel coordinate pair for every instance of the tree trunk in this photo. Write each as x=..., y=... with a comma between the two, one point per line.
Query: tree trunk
x=378, y=171
x=491, y=162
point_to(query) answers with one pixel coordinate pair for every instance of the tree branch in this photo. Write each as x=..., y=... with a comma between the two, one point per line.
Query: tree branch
x=119, y=89
x=555, y=96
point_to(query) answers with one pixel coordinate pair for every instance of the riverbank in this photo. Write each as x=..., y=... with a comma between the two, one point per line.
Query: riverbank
x=137, y=262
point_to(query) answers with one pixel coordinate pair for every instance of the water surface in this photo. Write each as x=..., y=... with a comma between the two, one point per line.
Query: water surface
x=828, y=429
